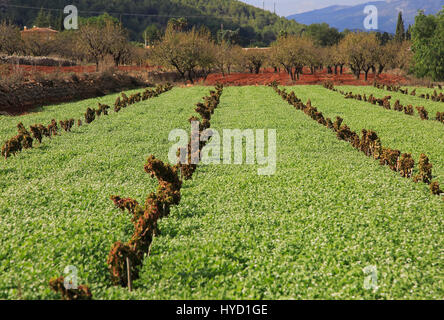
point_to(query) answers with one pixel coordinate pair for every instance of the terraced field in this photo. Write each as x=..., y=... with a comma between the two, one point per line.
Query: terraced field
x=306, y=232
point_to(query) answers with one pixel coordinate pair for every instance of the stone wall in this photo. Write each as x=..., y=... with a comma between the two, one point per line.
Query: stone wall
x=19, y=99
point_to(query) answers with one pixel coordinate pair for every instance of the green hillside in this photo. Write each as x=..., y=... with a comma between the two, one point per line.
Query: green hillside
x=256, y=26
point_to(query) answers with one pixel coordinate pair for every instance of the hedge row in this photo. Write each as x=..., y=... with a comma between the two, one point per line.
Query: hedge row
x=369, y=143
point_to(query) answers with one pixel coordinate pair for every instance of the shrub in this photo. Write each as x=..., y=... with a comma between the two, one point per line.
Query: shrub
x=36, y=133
x=408, y=110
x=53, y=128
x=157, y=206
x=425, y=170
x=90, y=115
x=406, y=165
x=397, y=106
x=67, y=124
x=434, y=187
x=423, y=113
x=81, y=293
x=103, y=109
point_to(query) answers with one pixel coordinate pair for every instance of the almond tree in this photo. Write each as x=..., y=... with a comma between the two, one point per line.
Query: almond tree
x=118, y=45
x=101, y=36
x=186, y=52
x=371, y=52
x=339, y=58
x=10, y=41
x=358, y=49
x=254, y=59
x=227, y=55
x=292, y=53
x=387, y=56
x=93, y=42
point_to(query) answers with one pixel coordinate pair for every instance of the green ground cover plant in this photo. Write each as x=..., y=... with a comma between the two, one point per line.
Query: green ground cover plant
x=305, y=233
x=54, y=206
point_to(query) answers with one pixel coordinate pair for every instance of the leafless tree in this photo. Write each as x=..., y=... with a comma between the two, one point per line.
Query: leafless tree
x=10, y=41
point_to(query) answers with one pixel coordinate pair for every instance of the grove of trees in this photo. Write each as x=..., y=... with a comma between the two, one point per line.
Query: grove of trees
x=194, y=52
x=256, y=27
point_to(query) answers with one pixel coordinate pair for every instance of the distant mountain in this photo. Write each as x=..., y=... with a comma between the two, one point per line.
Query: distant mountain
x=352, y=17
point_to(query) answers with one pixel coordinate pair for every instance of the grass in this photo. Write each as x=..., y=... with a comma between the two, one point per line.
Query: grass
x=305, y=233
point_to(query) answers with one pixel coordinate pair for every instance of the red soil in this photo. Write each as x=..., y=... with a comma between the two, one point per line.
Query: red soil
x=242, y=79
x=239, y=79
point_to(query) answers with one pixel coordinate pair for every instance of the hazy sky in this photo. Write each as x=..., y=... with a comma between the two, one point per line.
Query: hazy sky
x=288, y=7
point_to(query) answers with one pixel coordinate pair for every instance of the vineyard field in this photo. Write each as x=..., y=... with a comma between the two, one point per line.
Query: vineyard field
x=397, y=131
x=306, y=232
x=55, y=209
x=8, y=125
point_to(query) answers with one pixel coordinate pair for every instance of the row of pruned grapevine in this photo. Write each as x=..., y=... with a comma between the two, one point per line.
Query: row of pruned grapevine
x=167, y=190
x=25, y=138
x=369, y=143
x=124, y=257
x=434, y=96
x=385, y=102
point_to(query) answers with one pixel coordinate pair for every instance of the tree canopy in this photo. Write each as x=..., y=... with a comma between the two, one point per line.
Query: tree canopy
x=400, y=29
x=428, y=45
x=256, y=26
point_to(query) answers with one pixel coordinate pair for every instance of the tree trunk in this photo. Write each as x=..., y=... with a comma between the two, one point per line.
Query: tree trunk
x=380, y=69
x=190, y=76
